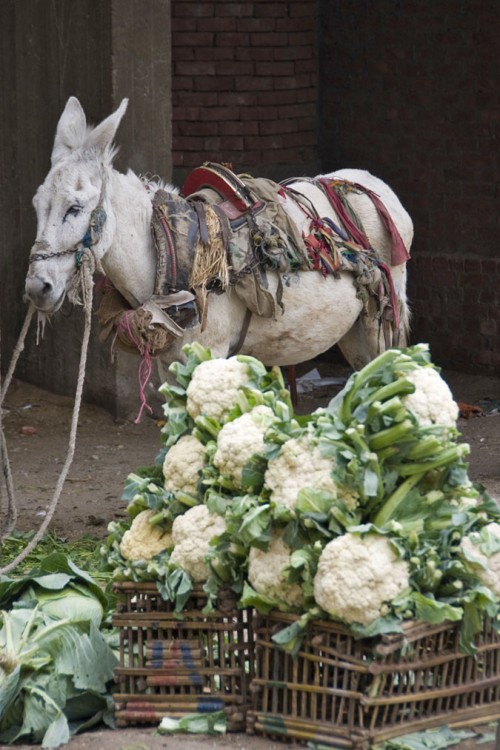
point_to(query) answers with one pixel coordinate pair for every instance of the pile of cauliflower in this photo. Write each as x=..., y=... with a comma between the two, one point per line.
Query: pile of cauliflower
x=362, y=511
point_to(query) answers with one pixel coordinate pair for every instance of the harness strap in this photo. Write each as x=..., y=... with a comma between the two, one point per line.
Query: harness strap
x=166, y=262
x=235, y=348
x=399, y=252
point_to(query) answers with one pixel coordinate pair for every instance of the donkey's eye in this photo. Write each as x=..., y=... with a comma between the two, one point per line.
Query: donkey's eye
x=72, y=211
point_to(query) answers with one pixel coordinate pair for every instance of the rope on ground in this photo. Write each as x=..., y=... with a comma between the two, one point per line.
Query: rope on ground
x=86, y=280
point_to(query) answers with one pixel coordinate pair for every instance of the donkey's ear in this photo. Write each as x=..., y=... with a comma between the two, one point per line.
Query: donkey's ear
x=101, y=137
x=71, y=130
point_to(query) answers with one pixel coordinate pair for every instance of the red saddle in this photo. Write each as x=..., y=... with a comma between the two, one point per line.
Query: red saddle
x=237, y=199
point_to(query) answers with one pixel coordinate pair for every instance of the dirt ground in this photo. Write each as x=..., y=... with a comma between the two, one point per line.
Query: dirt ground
x=37, y=423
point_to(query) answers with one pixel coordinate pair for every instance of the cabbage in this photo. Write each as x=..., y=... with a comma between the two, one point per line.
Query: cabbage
x=56, y=664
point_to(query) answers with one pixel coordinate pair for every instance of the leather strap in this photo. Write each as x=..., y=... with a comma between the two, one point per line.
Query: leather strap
x=243, y=332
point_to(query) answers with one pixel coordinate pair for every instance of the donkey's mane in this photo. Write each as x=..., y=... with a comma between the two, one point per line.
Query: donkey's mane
x=153, y=183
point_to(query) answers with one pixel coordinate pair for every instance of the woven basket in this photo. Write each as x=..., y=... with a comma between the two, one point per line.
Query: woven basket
x=172, y=665
x=354, y=693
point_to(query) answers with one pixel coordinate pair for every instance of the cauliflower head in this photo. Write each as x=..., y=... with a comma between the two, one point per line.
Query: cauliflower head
x=432, y=402
x=240, y=439
x=143, y=540
x=191, y=536
x=213, y=387
x=183, y=464
x=267, y=574
x=299, y=464
x=486, y=567
x=358, y=576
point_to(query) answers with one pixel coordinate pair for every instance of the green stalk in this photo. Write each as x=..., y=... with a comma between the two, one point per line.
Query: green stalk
x=388, y=452
x=361, y=377
x=447, y=456
x=426, y=447
x=384, y=438
x=392, y=408
x=357, y=440
x=399, y=387
x=395, y=500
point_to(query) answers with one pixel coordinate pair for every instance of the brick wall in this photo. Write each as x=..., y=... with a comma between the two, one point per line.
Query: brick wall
x=411, y=91
x=245, y=85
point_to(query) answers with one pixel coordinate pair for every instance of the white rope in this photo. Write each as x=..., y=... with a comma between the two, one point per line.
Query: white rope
x=17, y=352
x=8, y=521
x=86, y=274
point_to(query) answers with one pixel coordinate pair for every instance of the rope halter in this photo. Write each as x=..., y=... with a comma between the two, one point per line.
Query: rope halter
x=90, y=238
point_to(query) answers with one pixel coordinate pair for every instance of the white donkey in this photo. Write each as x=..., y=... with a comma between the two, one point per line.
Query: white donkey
x=316, y=310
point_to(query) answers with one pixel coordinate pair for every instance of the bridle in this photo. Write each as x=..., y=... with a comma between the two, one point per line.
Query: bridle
x=91, y=238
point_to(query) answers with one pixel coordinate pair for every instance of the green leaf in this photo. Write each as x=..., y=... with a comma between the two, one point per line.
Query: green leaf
x=252, y=475
x=57, y=733
x=291, y=637
x=255, y=526
x=380, y=626
x=250, y=598
x=433, y=611
x=313, y=500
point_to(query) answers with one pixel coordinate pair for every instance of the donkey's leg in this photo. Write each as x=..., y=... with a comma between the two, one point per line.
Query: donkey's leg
x=362, y=343
x=365, y=340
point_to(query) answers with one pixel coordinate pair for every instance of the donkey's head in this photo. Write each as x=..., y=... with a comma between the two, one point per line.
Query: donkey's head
x=71, y=205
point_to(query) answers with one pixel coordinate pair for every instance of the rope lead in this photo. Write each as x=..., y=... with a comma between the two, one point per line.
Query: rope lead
x=86, y=274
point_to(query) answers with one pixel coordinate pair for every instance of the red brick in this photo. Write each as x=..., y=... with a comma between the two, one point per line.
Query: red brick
x=182, y=24
x=299, y=24
x=187, y=113
x=215, y=54
x=264, y=142
x=271, y=127
x=191, y=40
x=277, y=98
x=277, y=69
x=269, y=39
x=219, y=24
x=261, y=25
x=272, y=10
x=247, y=83
x=299, y=139
x=185, y=9
x=213, y=83
x=221, y=113
x=184, y=53
x=301, y=10
x=472, y=265
x=237, y=10
x=228, y=143
x=255, y=53
x=200, y=128
x=237, y=98
x=294, y=82
x=232, y=40
x=232, y=127
x=259, y=114
x=198, y=99
x=235, y=68
x=293, y=52
x=488, y=327
x=182, y=83
x=195, y=68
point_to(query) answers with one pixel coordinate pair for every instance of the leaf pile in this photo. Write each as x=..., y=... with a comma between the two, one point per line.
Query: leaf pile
x=56, y=664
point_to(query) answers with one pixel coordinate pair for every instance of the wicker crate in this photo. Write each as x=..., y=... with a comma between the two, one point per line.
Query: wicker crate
x=172, y=665
x=353, y=693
